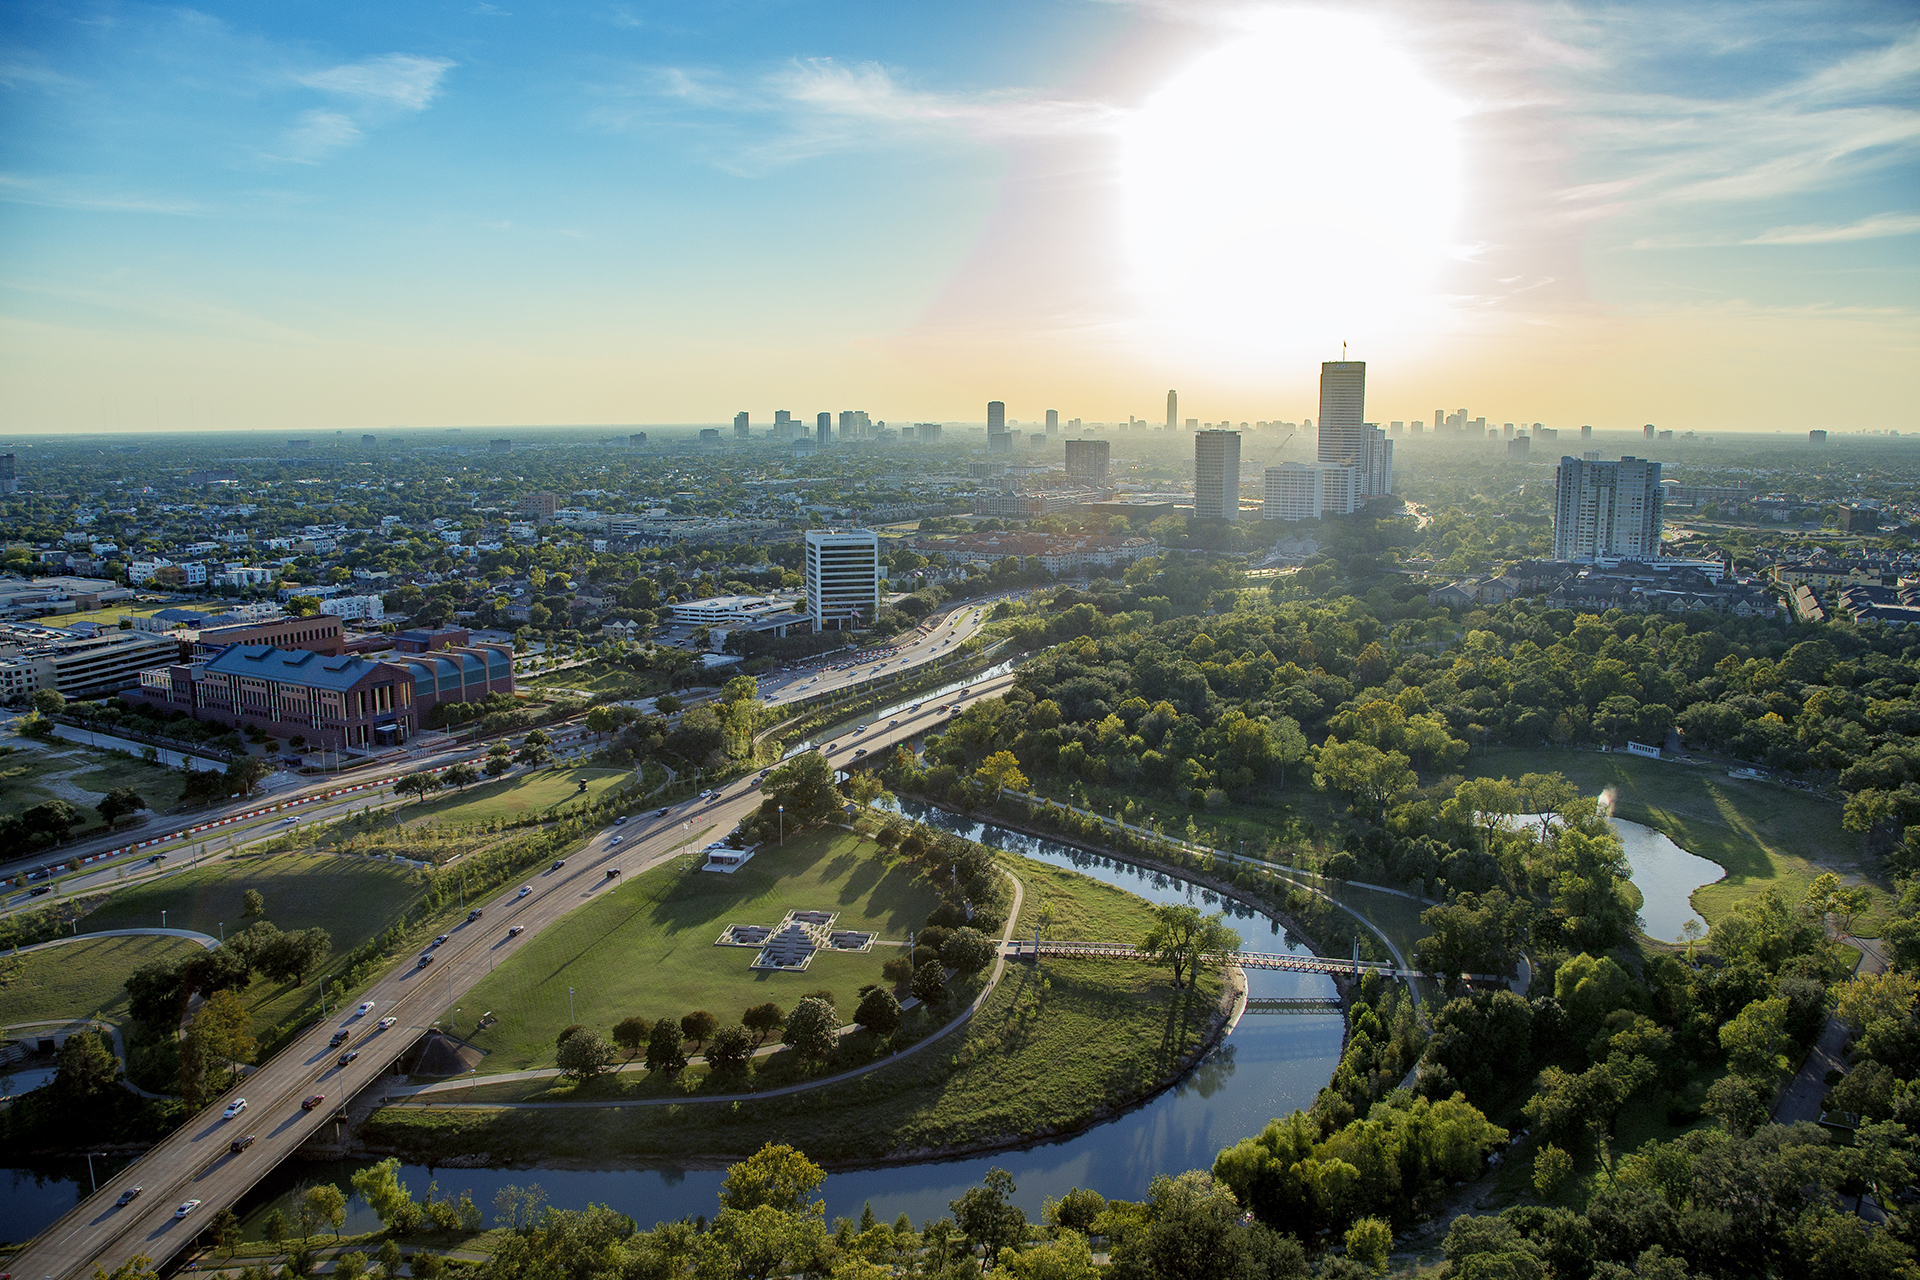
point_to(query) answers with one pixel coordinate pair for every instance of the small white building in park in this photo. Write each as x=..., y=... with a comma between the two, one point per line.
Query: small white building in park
x=725, y=859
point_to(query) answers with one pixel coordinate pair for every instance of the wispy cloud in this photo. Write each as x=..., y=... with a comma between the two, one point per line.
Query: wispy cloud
x=316, y=133
x=65, y=193
x=1879, y=226
x=400, y=79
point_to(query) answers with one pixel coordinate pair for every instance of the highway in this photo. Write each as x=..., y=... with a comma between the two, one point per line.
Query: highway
x=195, y=1162
x=834, y=673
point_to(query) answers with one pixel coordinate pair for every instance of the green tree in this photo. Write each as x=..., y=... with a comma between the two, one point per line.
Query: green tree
x=1756, y=1039
x=698, y=1025
x=85, y=1068
x=804, y=785
x=323, y=1204
x=1551, y=1167
x=812, y=1030
x=1000, y=772
x=985, y=1217
x=631, y=1033
x=879, y=1011
x=226, y=1231
x=763, y=1020
x=664, y=1053
x=584, y=1055
x=776, y=1177
x=119, y=803
x=380, y=1186
x=291, y=956
x=1181, y=938
x=930, y=984
x=252, y=904
x=48, y=702
x=1369, y=1242
x=421, y=784
x=730, y=1048
x=968, y=950
x=462, y=775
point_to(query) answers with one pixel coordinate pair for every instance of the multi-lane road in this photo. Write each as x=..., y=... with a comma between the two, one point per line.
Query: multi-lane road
x=197, y=1162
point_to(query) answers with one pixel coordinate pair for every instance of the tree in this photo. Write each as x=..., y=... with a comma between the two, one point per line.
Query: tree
x=380, y=1186
x=275, y=1228
x=967, y=950
x=52, y=819
x=1756, y=1040
x=804, y=785
x=252, y=904
x=226, y=1231
x=1368, y=778
x=930, y=984
x=1181, y=937
x=986, y=1219
x=664, y=1053
x=218, y=1039
x=138, y=1267
x=462, y=775
x=515, y=1207
x=85, y=1068
x=324, y=1203
x=763, y=1020
x=776, y=1177
x=812, y=1030
x=879, y=1011
x=599, y=722
x=1369, y=1242
x=496, y=765
x=533, y=753
x=730, y=1048
x=631, y=1033
x=698, y=1025
x=1000, y=772
x=584, y=1055
x=390, y=1260
x=119, y=803
x=48, y=702
x=291, y=956
x=1551, y=1167
x=421, y=784
x=666, y=704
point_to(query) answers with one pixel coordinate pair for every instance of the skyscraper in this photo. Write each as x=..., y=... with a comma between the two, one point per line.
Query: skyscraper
x=843, y=577
x=740, y=425
x=1607, y=510
x=996, y=417
x=1216, y=475
x=1173, y=410
x=9, y=475
x=1343, y=410
x=1087, y=460
x=1053, y=421
x=1648, y=431
x=823, y=430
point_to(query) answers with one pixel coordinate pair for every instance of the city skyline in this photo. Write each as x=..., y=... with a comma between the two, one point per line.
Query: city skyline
x=222, y=218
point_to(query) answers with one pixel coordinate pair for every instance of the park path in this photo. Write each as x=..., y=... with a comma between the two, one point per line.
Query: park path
x=979, y=1001
x=1805, y=1096
x=206, y=940
x=119, y=1047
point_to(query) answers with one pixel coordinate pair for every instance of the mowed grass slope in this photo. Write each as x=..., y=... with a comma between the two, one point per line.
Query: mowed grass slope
x=80, y=979
x=543, y=793
x=1070, y=907
x=1767, y=836
x=646, y=947
x=353, y=899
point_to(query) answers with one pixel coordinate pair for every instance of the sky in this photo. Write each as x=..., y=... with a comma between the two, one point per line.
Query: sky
x=325, y=216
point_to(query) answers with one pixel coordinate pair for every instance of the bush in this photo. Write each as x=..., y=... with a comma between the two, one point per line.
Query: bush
x=967, y=951
x=879, y=1011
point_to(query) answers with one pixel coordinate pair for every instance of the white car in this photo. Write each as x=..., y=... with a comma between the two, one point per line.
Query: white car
x=363, y=1010
x=387, y=1023
x=525, y=889
x=614, y=841
x=186, y=1208
x=234, y=1108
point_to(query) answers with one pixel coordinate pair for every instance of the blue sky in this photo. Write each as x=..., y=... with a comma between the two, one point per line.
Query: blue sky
x=348, y=216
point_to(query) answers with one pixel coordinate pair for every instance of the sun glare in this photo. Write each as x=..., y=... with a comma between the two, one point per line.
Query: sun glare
x=1293, y=188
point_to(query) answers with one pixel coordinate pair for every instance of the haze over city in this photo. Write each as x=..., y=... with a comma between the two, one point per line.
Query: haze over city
x=230, y=217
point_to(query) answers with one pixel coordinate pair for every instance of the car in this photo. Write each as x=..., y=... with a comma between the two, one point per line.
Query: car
x=516, y=931
x=914, y=707
x=39, y=889
x=620, y=821
x=561, y=862
x=612, y=872
x=614, y=841
x=339, y=1038
x=129, y=1195
x=313, y=1102
x=347, y=1058
x=186, y=1208
x=240, y=1144
x=525, y=889
x=423, y=962
x=712, y=796
x=158, y=857
x=862, y=729
x=892, y=723
x=862, y=751
x=663, y=813
x=387, y=1023
x=287, y=822
x=365, y=1008
x=234, y=1108
x=473, y=915
x=832, y=747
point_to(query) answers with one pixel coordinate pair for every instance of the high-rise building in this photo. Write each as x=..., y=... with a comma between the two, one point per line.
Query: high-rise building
x=370, y=440
x=1087, y=460
x=1216, y=475
x=996, y=417
x=740, y=425
x=823, y=430
x=782, y=419
x=1193, y=424
x=1586, y=431
x=1607, y=510
x=1816, y=437
x=1173, y=411
x=999, y=441
x=843, y=578
x=1310, y=490
x=929, y=431
x=1053, y=421
x=9, y=476
x=1343, y=411
x=1647, y=431
x=1518, y=447
x=637, y=439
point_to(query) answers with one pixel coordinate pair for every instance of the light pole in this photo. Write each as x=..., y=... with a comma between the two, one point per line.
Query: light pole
x=783, y=824
x=163, y=918
x=570, y=1004
x=223, y=931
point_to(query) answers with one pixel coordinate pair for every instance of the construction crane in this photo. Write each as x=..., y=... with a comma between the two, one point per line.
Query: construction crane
x=1277, y=448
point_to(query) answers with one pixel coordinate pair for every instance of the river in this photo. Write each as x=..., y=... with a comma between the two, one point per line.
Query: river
x=1268, y=1066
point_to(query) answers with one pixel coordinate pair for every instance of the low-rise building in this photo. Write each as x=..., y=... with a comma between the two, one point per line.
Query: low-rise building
x=343, y=702
x=34, y=658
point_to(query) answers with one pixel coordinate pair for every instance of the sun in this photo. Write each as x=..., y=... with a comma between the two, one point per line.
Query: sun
x=1293, y=188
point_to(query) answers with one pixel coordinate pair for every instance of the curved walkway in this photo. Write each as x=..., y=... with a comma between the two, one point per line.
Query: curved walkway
x=206, y=940
x=979, y=1001
x=119, y=1047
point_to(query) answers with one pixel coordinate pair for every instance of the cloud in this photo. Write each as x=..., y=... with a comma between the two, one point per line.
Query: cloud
x=399, y=79
x=56, y=193
x=315, y=133
x=1879, y=226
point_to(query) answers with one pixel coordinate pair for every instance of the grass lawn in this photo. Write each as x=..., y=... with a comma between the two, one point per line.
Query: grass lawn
x=351, y=898
x=158, y=785
x=647, y=947
x=21, y=770
x=1050, y=1050
x=32, y=773
x=1765, y=835
x=547, y=792
x=1071, y=907
x=80, y=979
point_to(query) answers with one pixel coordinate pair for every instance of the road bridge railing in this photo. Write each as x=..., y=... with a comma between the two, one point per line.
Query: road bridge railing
x=1282, y=961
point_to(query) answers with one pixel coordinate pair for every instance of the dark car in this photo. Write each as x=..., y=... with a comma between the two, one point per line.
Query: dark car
x=129, y=1195
x=313, y=1102
x=349, y=1056
x=423, y=962
x=663, y=813
x=473, y=914
x=339, y=1038
x=240, y=1144
x=39, y=889
x=612, y=872
x=557, y=864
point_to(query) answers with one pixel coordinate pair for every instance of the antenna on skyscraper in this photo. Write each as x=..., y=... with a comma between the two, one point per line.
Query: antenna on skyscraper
x=1343, y=353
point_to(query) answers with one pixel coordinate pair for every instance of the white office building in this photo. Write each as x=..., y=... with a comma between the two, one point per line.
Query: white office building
x=1607, y=510
x=1216, y=475
x=355, y=608
x=843, y=578
x=1310, y=490
x=1346, y=438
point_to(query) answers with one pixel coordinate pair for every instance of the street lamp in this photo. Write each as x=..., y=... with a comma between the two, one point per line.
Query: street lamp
x=163, y=918
x=783, y=824
x=570, y=1017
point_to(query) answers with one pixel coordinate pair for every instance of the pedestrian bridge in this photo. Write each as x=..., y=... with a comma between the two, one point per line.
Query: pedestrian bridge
x=1282, y=961
x=1267, y=1005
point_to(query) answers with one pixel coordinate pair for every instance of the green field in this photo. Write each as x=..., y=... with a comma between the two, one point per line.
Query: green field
x=543, y=793
x=32, y=772
x=80, y=979
x=647, y=947
x=1045, y=1054
x=353, y=899
x=1767, y=836
x=1071, y=907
